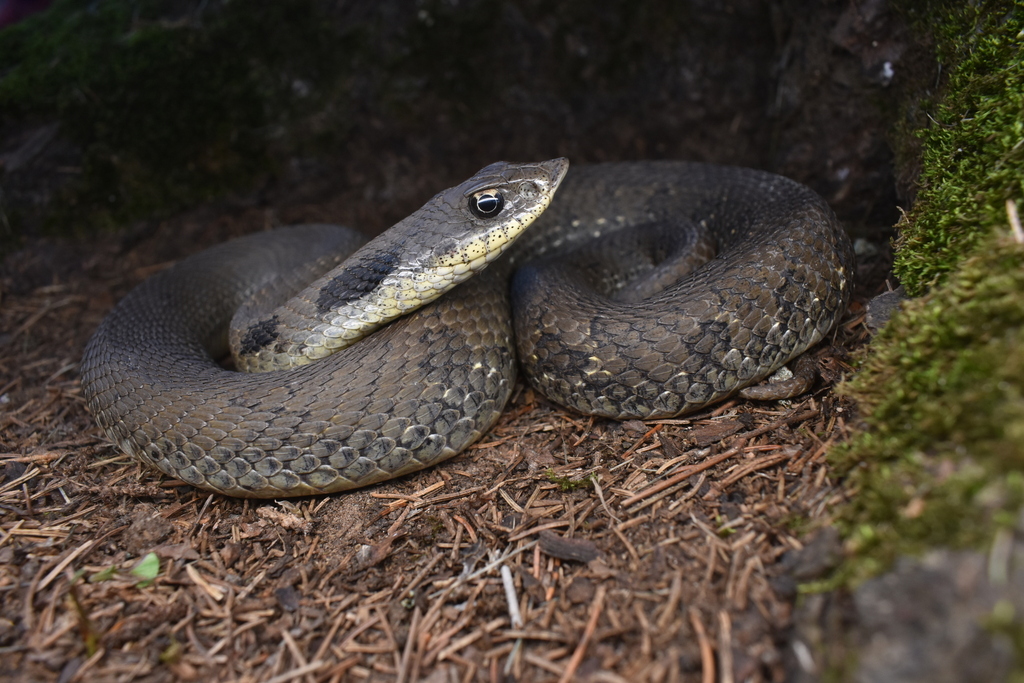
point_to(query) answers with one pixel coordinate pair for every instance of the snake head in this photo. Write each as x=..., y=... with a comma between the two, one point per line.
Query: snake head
x=451, y=238
x=485, y=214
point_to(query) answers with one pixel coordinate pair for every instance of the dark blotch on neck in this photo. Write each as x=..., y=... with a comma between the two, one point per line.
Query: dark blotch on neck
x=356, y=280
x=259, y=336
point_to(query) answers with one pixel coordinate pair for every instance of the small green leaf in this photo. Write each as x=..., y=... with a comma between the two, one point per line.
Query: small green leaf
x=147, y=569
x=172, y=653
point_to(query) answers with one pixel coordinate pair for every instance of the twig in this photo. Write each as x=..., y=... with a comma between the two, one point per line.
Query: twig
x=88, y=664
x=354, y=633
x=806, y=415
x=312, y=667
x=650, y=432
x=462, y=580
x=1011, y=213
x=514, y=616
x=577, y=656
x=725, y=646
x=685, y=474
x=600, y=494
x=422, y=574
x=403, y=669
x=674, y=594
x=707, y=655
x=759, y=464
x=199, y=517
x=64, y=563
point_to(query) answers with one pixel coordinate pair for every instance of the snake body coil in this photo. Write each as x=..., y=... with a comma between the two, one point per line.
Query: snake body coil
x=427, y=385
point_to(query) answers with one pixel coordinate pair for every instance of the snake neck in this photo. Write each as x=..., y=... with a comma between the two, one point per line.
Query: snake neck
x=452, y=238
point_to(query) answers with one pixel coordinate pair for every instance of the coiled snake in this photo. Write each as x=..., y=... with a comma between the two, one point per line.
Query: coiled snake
x=427, y=385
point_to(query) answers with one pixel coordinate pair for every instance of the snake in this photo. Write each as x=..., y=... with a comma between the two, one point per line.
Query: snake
x=630, y=290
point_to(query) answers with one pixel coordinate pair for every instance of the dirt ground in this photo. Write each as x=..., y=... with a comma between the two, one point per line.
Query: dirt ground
x=634, y=551
x=560, y=547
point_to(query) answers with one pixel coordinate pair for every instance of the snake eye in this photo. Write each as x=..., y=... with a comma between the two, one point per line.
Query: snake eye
x=486, y=203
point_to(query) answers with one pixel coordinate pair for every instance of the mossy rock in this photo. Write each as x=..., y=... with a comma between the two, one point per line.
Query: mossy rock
x=941, y=388
x=972, y=154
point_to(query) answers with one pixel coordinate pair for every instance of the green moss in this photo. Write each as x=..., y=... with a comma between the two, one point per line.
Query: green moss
x=166, y=111
x=973, y=155
x=1004, y=620
x=943, y=392
x=941, y=388
x=566, y=484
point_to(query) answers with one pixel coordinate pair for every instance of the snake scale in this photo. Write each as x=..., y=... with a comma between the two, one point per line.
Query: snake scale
x=611, y=330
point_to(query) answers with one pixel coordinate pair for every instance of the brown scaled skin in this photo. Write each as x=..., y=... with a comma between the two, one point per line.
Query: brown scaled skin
x=426, y=386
